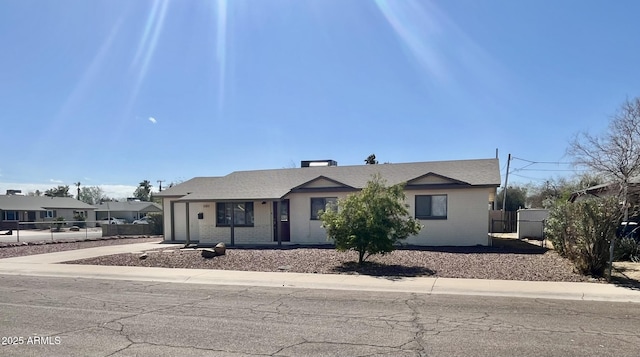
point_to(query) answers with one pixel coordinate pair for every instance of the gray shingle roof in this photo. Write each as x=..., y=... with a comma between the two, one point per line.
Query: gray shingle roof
x=274, y=184
x=40, y=203
x=132, y=206
x=196, y=184
x=634, y=185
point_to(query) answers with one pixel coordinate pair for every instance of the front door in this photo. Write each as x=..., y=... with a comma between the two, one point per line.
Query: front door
x=281, y=219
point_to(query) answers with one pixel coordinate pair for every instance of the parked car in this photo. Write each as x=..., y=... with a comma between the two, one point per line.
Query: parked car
x=629, y=229
x=111, y=220
x=143, y=220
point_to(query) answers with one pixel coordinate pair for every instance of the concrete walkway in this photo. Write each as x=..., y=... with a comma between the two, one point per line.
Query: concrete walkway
x=48, y=265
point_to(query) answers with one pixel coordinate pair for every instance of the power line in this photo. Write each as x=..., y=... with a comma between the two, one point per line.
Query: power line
x=531, y=178
x=543, y=162
x=569, y=170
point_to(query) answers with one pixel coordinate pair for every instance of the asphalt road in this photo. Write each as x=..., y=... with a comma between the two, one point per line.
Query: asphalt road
x=84, y=317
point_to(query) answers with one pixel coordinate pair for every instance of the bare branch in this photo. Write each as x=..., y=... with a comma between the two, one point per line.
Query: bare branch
x=615, y=153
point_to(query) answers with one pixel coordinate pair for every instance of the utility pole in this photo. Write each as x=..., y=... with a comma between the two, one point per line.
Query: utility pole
x=160, y=184
x=504, y=196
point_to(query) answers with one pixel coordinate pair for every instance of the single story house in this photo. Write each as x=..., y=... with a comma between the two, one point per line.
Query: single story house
x=451, y=198
x=128, y=211
x=18, y=208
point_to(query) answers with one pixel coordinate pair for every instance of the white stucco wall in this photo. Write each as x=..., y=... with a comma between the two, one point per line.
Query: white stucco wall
x=166, y=219
x=304, y=230
x=466, y=223
x=261, y=232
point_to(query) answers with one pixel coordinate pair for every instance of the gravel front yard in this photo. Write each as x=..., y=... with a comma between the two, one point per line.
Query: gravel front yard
x=508, y=260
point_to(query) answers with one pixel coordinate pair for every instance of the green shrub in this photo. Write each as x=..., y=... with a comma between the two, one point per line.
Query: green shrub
x=627, y=249
x=582, y=231
x=79, y=220
x=58, y=223
x=156, y=223
x=371, y=221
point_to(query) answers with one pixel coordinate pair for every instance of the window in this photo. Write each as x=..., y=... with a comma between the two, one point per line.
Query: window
x=431, y=207
x=10, y=215
x=320, y=203
x=48, y=214
x=242, y=212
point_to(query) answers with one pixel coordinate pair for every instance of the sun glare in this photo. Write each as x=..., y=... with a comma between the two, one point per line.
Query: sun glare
x=221, y=48
x=147, y=46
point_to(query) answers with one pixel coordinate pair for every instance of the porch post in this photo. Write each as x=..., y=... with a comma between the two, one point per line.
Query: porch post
x=232, y=225
x=172, y=221
x=279, y=221
x=188, y=224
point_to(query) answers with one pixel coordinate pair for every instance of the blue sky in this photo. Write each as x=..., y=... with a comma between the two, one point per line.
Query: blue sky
x=113, y=92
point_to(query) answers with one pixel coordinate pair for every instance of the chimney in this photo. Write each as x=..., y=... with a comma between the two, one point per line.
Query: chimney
x=316, y=163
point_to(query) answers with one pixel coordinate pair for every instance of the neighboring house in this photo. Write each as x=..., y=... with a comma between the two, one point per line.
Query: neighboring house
x=451, y=199
x=613, y=189
x=609, y=189
x=14, y=208
x=128, y=211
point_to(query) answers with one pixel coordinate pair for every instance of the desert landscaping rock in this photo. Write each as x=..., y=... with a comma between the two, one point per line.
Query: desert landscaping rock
x=208, y=253
x=506, y=260
x=220, y=248
x=471, y=263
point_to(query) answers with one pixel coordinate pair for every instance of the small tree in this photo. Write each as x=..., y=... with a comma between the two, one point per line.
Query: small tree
x=92, y=195
x=371, y=221
x=516, y=198
x=58, y=223
x=546, y=194
x=616, y=153
x=582, y=231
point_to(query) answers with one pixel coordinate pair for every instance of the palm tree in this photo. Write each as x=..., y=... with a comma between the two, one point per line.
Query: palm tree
x=371, y=160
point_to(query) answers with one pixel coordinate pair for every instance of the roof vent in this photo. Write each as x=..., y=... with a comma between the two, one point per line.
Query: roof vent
x=316, y=163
